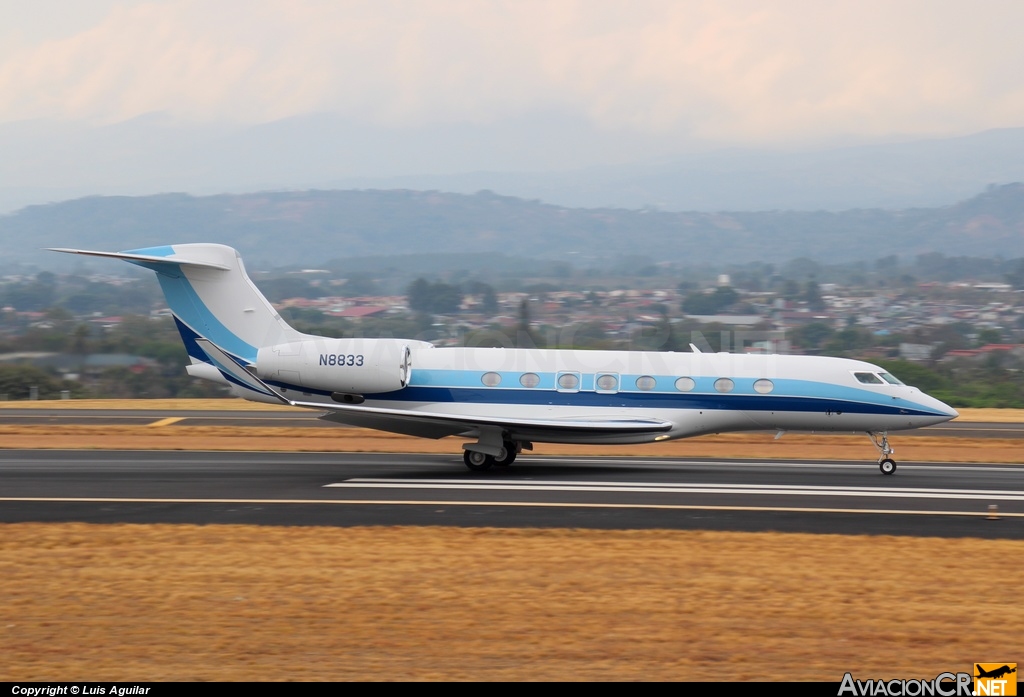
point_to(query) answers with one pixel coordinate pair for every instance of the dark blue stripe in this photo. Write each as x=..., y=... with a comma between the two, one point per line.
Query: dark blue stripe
x=188, y=337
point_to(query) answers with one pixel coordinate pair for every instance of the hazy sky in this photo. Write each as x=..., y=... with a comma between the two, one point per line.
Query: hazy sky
x=724, y=71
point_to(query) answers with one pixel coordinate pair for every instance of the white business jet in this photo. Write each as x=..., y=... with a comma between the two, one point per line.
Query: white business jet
x=507, y=399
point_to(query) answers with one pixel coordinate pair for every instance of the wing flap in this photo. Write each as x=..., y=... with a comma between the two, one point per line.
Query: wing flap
x=578, y=424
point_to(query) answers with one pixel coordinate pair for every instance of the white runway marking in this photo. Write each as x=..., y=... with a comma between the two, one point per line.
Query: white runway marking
x=642, y=487
x=1007, y=467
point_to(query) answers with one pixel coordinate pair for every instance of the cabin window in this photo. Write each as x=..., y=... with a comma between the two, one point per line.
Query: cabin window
x=868, y=378
x=891, y=379
x=569, y=382
x=607, y=383
x=763, y=386
x=645, y=382
x=529, y=380
x=724, y=385
x=490, y=379
x=685, y=384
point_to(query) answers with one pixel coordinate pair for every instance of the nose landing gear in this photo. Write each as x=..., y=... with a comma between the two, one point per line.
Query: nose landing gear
x=881, y=441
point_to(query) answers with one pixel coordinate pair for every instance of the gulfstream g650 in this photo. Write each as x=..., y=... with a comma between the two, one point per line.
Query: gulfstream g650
x=504, y=400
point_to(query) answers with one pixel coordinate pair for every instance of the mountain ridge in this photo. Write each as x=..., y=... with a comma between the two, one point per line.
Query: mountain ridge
x=300, y=228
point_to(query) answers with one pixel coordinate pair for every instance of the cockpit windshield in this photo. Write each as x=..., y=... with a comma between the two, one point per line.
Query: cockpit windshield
x=891, y=379
x=877, y=378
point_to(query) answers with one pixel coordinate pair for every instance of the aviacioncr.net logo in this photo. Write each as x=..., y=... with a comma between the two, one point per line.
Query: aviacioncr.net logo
x=942, y=685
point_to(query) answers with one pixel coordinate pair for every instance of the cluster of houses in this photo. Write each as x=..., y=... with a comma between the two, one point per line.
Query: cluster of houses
x=882, y=312
x=618, y=313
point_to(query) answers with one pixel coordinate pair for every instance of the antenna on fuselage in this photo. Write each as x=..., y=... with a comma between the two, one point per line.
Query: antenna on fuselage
x=693, y=347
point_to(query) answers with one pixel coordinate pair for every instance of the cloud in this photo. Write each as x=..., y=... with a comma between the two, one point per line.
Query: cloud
x=734, y=71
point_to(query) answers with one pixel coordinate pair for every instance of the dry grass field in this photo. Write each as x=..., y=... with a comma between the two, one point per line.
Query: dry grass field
x=741, y=445
x=245, y=603
x=163, y=602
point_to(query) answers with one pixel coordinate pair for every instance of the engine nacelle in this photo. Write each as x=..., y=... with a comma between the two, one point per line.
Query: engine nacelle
x=351, y=366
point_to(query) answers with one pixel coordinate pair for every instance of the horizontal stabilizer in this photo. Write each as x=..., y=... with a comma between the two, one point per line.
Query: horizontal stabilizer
x=146, y=258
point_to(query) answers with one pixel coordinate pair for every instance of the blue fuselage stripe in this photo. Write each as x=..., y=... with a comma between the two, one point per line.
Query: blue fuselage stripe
x=633, y=400
x=630, y=400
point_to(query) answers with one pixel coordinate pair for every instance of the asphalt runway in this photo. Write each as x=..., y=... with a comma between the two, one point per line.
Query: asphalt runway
x=347, y=489
x=302, y=418
x=296, y=418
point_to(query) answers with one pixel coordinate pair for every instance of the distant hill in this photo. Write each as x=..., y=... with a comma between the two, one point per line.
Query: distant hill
x=558, y=158
x=310, y=228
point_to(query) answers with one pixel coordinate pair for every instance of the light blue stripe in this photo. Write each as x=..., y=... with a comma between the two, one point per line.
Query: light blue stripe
x=162, y=251
x=473, y=378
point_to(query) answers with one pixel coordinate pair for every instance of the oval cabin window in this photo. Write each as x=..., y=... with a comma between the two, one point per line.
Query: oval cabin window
x=685, y=384
x=529, y=380
x=568, y=381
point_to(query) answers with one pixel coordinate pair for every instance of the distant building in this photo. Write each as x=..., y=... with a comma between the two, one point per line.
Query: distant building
x=729, y=320
x=916, y=352
x=357, y=313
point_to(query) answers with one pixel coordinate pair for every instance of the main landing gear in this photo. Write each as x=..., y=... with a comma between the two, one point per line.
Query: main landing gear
x=478, y=461
x=881, y=441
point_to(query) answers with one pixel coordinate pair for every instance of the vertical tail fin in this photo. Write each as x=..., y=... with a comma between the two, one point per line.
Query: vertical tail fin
x=211, y=297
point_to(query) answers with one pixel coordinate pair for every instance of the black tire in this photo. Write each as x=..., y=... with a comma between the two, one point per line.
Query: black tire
x=478, y=462
x=509, y=457
x=888, y=466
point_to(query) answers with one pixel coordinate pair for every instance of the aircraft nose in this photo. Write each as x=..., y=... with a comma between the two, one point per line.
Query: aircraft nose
x=944, y=412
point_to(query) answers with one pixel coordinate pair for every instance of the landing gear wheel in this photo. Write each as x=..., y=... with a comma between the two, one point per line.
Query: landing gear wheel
x=478, y=462
x=508, y=456
x=881, y=441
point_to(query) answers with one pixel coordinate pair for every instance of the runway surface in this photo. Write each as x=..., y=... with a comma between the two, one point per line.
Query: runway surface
x=346, y=489
x=301, y=418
